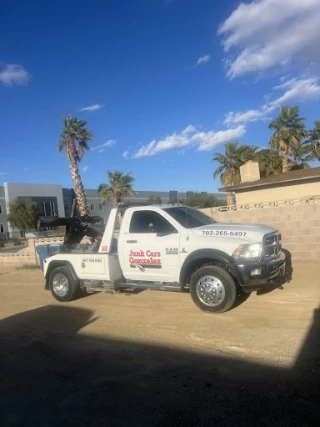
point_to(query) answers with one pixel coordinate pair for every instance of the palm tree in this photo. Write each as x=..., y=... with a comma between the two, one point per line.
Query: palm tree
x=230, y=162
x=270, y=162
x=289, y=131
x=119, y=185
x=301, y=156
x=74, y=141
x=313, y=142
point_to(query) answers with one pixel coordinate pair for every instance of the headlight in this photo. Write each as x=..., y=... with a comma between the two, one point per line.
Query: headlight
x=248, y=251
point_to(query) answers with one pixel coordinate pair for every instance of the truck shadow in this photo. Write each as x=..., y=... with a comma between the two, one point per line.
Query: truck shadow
x=53, y=373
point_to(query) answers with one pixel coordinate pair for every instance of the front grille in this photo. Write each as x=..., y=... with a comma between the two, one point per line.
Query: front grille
x=271, y=245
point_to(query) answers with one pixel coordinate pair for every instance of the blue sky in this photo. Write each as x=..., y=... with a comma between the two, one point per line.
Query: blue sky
x=162, y=83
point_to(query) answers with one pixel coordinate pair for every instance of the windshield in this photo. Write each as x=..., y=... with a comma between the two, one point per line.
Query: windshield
x=189, y=217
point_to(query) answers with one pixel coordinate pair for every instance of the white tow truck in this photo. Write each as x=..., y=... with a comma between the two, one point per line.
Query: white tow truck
x=174, y=248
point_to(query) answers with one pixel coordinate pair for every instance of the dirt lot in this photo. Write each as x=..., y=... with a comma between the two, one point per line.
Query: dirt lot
x=154, y=359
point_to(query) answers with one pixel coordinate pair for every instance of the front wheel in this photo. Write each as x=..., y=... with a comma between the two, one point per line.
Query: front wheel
x=213, y=289
x=62, y=285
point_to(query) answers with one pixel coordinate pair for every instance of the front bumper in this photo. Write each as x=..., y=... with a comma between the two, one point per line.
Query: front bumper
x=269, y=270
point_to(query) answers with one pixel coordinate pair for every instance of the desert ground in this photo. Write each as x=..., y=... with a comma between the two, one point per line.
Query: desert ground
x=152, y=358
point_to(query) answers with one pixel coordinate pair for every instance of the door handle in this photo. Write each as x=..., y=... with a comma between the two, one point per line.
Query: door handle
x=131, y=241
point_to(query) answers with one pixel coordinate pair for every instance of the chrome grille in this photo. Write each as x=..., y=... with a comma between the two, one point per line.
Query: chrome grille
x=271, y=245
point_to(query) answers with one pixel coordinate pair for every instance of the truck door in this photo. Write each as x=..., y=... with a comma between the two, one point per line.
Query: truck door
x=150, y=248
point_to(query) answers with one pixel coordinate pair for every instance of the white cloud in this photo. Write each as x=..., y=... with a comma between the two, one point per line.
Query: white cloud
x=297, y=90
x=189, y=129
x=209, y=140
x=269, y=33
x=203, y=60
x=14, y=75
x=101, y=147
x=205, y=141
x=126, y=154
x=85, y=168
x=248, y=116
x=94, y=107
x=284, y=78
x=3, y=173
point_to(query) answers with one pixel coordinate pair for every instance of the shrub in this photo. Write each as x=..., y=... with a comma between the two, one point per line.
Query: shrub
x=1, y=244
x=28, y=267
x=17, y=243
x=200, y=201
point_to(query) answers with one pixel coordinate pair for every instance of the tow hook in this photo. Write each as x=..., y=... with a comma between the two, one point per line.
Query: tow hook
x=273, y=283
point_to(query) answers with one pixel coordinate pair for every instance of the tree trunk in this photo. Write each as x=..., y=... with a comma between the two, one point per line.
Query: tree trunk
x=79, y=190
x=284, y=162
x=116, y=198
x=78, y=186
x=230, y=200
x=230, y=175
x=120, y=217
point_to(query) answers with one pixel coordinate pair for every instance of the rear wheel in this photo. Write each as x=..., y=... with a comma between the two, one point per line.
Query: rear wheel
x=213, y=289
x=63, y=286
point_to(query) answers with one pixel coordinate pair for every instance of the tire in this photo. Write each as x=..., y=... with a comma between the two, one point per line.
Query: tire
x=62, y=285
x=212, y=289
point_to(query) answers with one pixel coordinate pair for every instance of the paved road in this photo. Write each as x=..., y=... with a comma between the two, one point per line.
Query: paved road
x=153, y=359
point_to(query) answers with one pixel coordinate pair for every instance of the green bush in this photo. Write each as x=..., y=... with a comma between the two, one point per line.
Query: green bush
x=201, y=201
x=17, y=243
x=1, y=244
x=28, y=267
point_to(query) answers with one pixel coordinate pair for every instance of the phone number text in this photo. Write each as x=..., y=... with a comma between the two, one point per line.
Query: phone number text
x=224, y=233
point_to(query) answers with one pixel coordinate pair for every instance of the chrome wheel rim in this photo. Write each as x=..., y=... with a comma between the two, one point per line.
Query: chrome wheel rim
x=60, y=285
x=210, y=291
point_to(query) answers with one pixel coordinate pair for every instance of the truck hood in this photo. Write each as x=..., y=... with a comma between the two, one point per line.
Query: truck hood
x=247, y=232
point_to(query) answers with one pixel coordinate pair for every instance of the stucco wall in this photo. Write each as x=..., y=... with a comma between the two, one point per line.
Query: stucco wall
x=298, y=221
x=27, y=256
x=17, y=260
x=285, y=191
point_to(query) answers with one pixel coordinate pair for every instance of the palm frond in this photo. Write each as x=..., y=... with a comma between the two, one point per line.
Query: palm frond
x=120, y=185
x=219, y=172
x=74, y=130
x=62, y=145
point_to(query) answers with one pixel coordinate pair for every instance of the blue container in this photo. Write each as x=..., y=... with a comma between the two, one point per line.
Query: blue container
x=54, y=248
x=43, y=252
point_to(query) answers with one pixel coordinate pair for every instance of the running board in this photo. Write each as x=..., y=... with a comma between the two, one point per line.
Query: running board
x=92, y=286
x=174, y=287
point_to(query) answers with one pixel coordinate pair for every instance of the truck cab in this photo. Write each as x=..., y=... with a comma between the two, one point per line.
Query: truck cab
x=174, y=248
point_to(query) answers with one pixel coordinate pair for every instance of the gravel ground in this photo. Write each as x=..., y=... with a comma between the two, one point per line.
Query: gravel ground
x=154, y=359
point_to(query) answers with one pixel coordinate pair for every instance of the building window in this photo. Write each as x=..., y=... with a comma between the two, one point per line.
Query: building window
x=92, y=207
x=100, y=206
x=0, y=209
x=1, y=228
x=66, y=207
x=48, y=209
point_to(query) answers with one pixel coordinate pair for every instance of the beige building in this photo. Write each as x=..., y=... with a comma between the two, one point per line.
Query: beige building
x=284, y=186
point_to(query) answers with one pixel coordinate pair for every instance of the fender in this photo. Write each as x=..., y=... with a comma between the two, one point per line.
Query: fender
x=59, y=263
x=207, y=255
